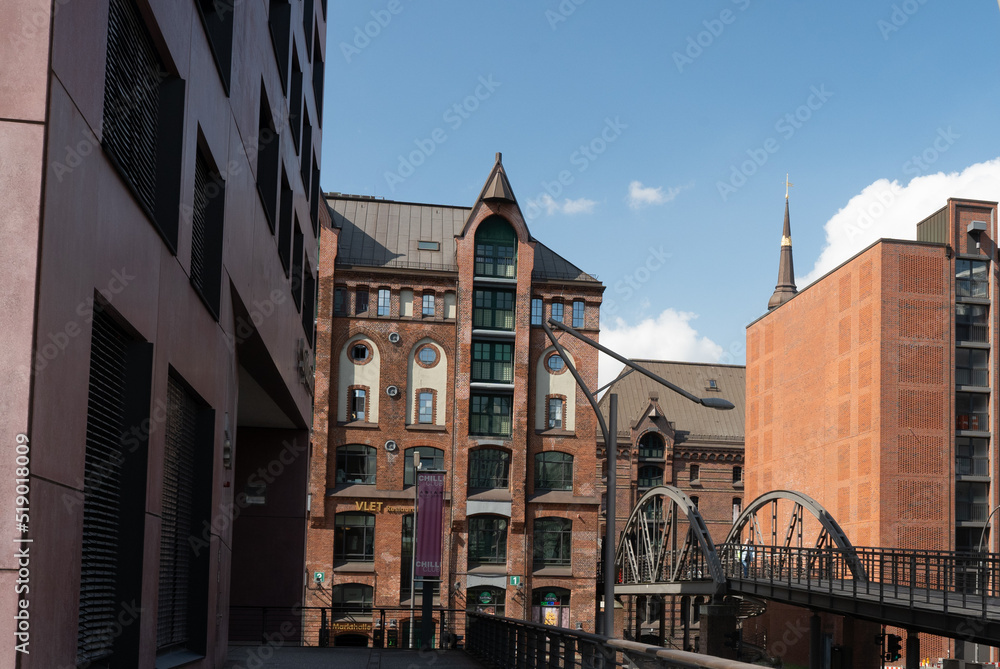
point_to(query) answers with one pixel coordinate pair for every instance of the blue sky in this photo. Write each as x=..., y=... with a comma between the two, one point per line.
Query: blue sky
x=671, y=127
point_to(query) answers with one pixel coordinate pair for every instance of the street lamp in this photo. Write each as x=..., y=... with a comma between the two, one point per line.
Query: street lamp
x=610, y=432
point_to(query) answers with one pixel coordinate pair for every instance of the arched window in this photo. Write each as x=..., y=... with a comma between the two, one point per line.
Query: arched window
x=354, y=537
x=351, y=598
x=650, y=475
x=356, y=464
x=550, y=606
x=488, y=468
x=430, y=458
x=486, y=599
x=651, y=445
x=496, y=249
x=553, y=471
x=487, y=540
x=552, y=542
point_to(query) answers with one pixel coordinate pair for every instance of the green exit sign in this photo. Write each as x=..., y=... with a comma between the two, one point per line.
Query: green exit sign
x=515, y=580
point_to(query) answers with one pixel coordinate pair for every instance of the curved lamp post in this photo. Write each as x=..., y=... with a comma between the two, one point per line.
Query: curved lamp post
x=610, y=432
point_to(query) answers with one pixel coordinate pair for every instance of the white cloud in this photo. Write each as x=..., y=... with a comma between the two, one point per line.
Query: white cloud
x=642, y=196
x=887, y=209
x=579, y=206
x=669, y=336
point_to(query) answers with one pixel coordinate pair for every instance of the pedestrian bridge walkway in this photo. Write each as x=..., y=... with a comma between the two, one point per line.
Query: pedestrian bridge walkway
x=269, y=657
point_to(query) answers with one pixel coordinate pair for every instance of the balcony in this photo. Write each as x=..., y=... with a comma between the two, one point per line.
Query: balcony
x=972, y=466
x=972, y=332
x=972, y=377
x=973, y=421
x=975, y=512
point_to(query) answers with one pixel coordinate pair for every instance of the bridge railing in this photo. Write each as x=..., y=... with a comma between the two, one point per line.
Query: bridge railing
x=507, y=643
x=915, y=576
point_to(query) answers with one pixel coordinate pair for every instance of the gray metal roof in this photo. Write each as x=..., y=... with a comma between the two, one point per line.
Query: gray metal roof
x=697, y=421
x=384, y=233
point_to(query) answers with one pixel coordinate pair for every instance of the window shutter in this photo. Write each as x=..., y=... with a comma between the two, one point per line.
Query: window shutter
x=103, y=463
x=173, y=627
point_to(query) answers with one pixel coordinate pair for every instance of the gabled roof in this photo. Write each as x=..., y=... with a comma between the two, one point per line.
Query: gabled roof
x=690, y=420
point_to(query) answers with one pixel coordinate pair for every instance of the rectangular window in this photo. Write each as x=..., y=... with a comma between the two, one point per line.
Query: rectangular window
x=428, y=246
x=207, y=216
x=356, y=464
x=737, y=475
x=279, y=21
x=308, y=304
x=493, y=309
x=295, y=99
x=427, y=309
x=695, y=473
x=972, y=501
x=217, y=18
x=297, y=243
x=552, y=542
x=557, y=311
x=972, y=456
x=971, y=322
x=555, y=413
x=354, y=537
x=972, y=278
x=268, y=160
x=317, y=74
x=491, y=415
x=426, y=408
x=488, y=468
x=339, y=301
x=536, y=311
x=972, y=411
x=284, y=227
x=694, y=500
x=305, y=162
x=737, y=508
x=114, y=492
x=383, y=302
x=971, y=367
x=578, y=310
x=430, y=458
x=361, y=301
x=143, y=123
x=356, y=410
x=487, y=540
x=183, y=584
x=496, y=259
x=553, y=471
x=492, y=362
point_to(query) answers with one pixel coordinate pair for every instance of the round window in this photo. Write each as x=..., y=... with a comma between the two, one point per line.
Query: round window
x=555, y=363
x=360, y=352
x=427, y=356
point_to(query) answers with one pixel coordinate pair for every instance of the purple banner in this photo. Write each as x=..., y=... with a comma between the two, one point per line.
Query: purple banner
x=430, y=507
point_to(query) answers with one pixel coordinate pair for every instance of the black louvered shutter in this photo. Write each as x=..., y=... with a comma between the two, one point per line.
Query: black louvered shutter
x=131, y=99
x=103, y=465
x=199, y=223
x=173, y=627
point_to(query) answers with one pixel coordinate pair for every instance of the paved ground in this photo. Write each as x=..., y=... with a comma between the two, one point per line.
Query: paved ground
x=266, y=657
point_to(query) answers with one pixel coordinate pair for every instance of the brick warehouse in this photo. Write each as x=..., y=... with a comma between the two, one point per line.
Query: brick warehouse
x=873, y=390
x=428, y=338
x=664, y=438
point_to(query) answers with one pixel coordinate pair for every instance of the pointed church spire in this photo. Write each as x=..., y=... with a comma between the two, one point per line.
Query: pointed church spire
x=785, y=289
x=497, y=186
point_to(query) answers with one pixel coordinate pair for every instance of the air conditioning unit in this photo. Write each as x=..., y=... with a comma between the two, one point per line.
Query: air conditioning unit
x=394, y=337
x=390, y=445
x=392, y=391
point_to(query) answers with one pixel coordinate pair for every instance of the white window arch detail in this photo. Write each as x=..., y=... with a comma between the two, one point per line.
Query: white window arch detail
x=421, y=376
x=352, y=374
x=547, y=383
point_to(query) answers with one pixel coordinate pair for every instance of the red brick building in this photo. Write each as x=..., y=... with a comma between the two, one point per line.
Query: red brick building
x=160, y=187
x=429, y=341
x=873, y=390
x=665, y=438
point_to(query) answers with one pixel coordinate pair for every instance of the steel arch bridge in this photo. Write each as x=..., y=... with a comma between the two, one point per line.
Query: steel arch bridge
x=786, y=547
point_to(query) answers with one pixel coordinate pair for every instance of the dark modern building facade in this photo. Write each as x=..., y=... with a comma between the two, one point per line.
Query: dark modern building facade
x=160, y=188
